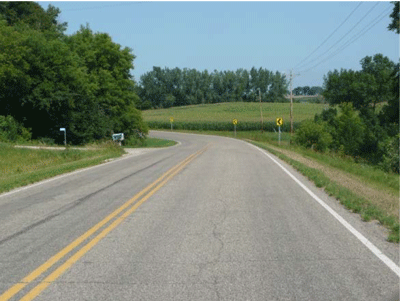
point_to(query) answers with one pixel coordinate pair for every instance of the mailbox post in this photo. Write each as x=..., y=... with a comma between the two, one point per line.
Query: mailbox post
x=118, y=138
x=65, y=136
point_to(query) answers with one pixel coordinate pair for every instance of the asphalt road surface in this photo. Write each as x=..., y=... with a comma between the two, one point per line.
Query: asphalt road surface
x=211, y=218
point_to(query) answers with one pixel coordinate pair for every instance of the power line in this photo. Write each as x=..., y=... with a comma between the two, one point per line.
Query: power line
x=338, y=41
x=349, y=42
x=329, y=35
x=362, y=32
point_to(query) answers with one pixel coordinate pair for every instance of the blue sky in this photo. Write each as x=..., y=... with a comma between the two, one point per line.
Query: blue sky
x=232, y=35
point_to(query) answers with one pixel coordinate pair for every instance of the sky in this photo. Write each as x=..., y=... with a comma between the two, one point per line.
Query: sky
x=221, y=36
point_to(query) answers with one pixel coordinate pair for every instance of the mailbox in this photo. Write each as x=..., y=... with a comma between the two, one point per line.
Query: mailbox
x=118, y=137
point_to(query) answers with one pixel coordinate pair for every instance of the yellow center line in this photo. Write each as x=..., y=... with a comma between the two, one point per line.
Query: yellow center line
x=45, y=266
x=65, y=266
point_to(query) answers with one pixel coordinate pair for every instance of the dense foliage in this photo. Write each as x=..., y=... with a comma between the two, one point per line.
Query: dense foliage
x=163, y=88
x=50, y=80
x=395, y=24
x=313, y=135
x=11, y=130
x=306, y=90
x=360, y=129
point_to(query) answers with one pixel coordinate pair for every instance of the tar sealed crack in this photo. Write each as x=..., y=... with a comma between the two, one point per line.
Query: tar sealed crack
x=217, y=221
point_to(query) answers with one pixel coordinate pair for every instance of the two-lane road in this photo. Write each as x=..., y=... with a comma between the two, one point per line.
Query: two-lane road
x=212, y=218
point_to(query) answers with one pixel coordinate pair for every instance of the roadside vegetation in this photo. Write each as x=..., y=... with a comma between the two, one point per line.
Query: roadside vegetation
x=150, y=142
x=50, y=80
x=385, y=211
x=359, y=127
x=22, y=166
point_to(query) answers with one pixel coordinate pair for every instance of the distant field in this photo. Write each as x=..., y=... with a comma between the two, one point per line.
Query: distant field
x=226, y=112
x=218, y=117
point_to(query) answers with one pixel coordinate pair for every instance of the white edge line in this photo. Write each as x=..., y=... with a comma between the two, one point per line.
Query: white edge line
x=378, y=253
x=77, y=171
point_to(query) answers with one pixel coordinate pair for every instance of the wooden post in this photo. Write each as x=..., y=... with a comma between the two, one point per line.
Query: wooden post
x=262, y=121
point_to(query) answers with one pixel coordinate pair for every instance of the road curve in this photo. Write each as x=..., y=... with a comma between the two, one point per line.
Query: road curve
x=211, y=218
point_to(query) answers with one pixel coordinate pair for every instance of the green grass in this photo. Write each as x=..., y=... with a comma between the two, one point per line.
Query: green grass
x=23, y=166
x=226, y=112
x=311, y=99
x=370, y=174
x=152, y=142
x=19, y=167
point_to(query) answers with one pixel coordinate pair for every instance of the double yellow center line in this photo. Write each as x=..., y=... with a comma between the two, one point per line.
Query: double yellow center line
x=129, y=207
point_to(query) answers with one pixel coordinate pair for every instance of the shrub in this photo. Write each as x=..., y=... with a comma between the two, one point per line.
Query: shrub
x=327, y=115
x=138, y=138
x=12, y=131
x=390, y=161
x=133, y=142
x=350, y=130
x=313, y=135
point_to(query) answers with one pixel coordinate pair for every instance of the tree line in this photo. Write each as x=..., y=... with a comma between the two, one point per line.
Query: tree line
x=50, y=80
x=308, y=91
x=163, y=88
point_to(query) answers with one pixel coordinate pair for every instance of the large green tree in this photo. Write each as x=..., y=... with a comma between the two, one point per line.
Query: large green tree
x=32, y=15
x=112, y=89
x=395, y=24
x=48, y=80
x=381, y=68
x=37, y=77
x=365, y=88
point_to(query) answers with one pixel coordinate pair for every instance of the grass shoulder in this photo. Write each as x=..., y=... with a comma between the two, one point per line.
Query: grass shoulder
x=29, y=162
x=23, y=166
x=151, y=143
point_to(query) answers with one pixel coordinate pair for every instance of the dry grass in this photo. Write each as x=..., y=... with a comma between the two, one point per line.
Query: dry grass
x=382, y=199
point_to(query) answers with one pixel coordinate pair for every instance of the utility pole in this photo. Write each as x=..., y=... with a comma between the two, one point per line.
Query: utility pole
x=291, y=104
x=262, y=122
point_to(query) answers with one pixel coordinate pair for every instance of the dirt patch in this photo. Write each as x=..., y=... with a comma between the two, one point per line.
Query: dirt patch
x=139, y=151
x=386, y=201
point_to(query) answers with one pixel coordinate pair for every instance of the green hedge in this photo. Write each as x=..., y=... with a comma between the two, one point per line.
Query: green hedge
x=220, y=126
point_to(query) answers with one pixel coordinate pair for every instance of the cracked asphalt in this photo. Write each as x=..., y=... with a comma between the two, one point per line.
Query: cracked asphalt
x=230, y=226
